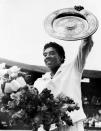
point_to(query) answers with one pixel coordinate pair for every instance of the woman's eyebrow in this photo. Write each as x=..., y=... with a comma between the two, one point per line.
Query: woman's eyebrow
x=48, y=52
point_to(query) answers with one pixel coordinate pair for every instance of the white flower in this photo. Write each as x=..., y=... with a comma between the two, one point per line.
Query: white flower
x=3, y=72
x=2, y=66
x=15, y=95
x=14, y=75
x=8, y=88
x=2, y=109
x=15, y=85
x=13, y=69
x=18, y=83
x=21, y=81
x=2, y=81
x=11, y=87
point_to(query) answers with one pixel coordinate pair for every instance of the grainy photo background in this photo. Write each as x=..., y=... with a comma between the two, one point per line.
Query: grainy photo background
x=22, y=34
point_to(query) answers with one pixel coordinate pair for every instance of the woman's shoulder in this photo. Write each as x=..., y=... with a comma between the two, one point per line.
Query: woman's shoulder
x=66, y=64
x=43, y=77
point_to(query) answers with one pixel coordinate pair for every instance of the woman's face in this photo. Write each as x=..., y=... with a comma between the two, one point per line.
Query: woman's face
x=51, y=58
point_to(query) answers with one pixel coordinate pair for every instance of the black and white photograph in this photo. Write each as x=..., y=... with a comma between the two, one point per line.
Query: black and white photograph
x=50, y=68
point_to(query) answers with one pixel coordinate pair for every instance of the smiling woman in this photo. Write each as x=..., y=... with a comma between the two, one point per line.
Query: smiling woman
x=64, y=78
x=54, y=56
x=22, y=34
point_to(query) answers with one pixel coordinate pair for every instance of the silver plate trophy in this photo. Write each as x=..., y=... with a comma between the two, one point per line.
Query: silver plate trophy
x=71, y=24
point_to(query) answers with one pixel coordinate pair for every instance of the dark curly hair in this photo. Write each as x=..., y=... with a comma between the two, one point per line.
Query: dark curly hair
x=58, y=48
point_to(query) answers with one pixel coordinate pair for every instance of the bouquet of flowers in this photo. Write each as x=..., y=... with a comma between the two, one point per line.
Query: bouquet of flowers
x=26, y=104
x=11, y=79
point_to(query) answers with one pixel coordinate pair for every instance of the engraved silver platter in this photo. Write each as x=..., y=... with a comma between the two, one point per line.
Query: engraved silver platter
x=71, y=24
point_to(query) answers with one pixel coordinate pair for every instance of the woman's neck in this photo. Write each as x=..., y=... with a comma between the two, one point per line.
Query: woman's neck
x=53, y=71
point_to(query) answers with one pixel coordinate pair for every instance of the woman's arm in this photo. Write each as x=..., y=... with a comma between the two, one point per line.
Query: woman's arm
x=83, y=52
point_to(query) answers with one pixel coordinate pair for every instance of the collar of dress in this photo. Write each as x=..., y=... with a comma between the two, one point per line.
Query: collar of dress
x=47, y=75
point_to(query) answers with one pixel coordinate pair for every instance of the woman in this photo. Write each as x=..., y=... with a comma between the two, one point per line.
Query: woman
x=65, y=78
